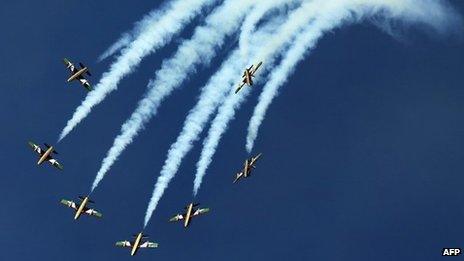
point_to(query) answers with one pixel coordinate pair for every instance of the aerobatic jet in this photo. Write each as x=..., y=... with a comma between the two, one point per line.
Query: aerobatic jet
x=247, y=167
x=247, y=77
x=78, y=74
x=46, y=155
x=137, y=243
x=82, y=207
x=190, y=212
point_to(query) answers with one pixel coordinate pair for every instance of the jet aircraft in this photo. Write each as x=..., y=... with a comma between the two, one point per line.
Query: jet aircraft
x=137, y=243
x=189, y=214
x=247, y=167
x=46, y=155
x=78, y=74
x=82, y=207
x=247, y=77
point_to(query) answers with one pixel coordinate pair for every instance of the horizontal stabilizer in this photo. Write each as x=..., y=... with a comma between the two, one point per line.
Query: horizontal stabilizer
x=194, y=205
x=89, y=200
x=143, y=236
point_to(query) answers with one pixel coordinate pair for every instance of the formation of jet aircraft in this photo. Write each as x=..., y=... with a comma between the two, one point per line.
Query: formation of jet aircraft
x=189, y=213
x=46, y=155
x=247, y=167
x=137, y=243
x=78, y=74
x=82, y=207
x=247, y=77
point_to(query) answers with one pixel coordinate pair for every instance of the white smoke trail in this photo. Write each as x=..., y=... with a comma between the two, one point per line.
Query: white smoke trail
x=324, y=15
x=212, y=94
x=122, y=42
x=432, y=13
x=200, y=49
x=268, y=51
x=249, y=25
x=150, y=39
x=128, y=37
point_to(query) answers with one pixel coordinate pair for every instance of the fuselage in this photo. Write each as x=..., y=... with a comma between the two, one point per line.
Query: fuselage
x=246, y=169
x=188, y=215
x=248, y=79
x=45, y=155
x=77, y=74
x=81, y=208
x=136, y=245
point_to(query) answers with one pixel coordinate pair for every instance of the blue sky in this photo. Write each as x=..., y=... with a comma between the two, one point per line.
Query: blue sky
x=362, y=150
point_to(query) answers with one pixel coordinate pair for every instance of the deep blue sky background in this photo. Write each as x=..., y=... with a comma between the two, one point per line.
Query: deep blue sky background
x=363, y=150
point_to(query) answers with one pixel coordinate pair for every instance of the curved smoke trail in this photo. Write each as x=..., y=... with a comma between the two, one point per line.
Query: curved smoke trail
x=433, y=13
x=267, y=53
x=257, y=14
x=150, y=38
x=122, y=42
x=128, y=37
x=200, y=49
x=212, y=94
x=326, y=16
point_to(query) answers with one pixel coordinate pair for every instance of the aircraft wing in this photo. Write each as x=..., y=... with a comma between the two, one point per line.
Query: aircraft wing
x=240, y=86
x=238, y=176
x=35, y=147
x=176, y=218
x=253, y=71
x=93, y=212
x=55, y=164
x=69, y=203
x=148, y=244
x=69, y=65
x=200, y=211
x=85, y=83
x=123, y=244
x=254, y=159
